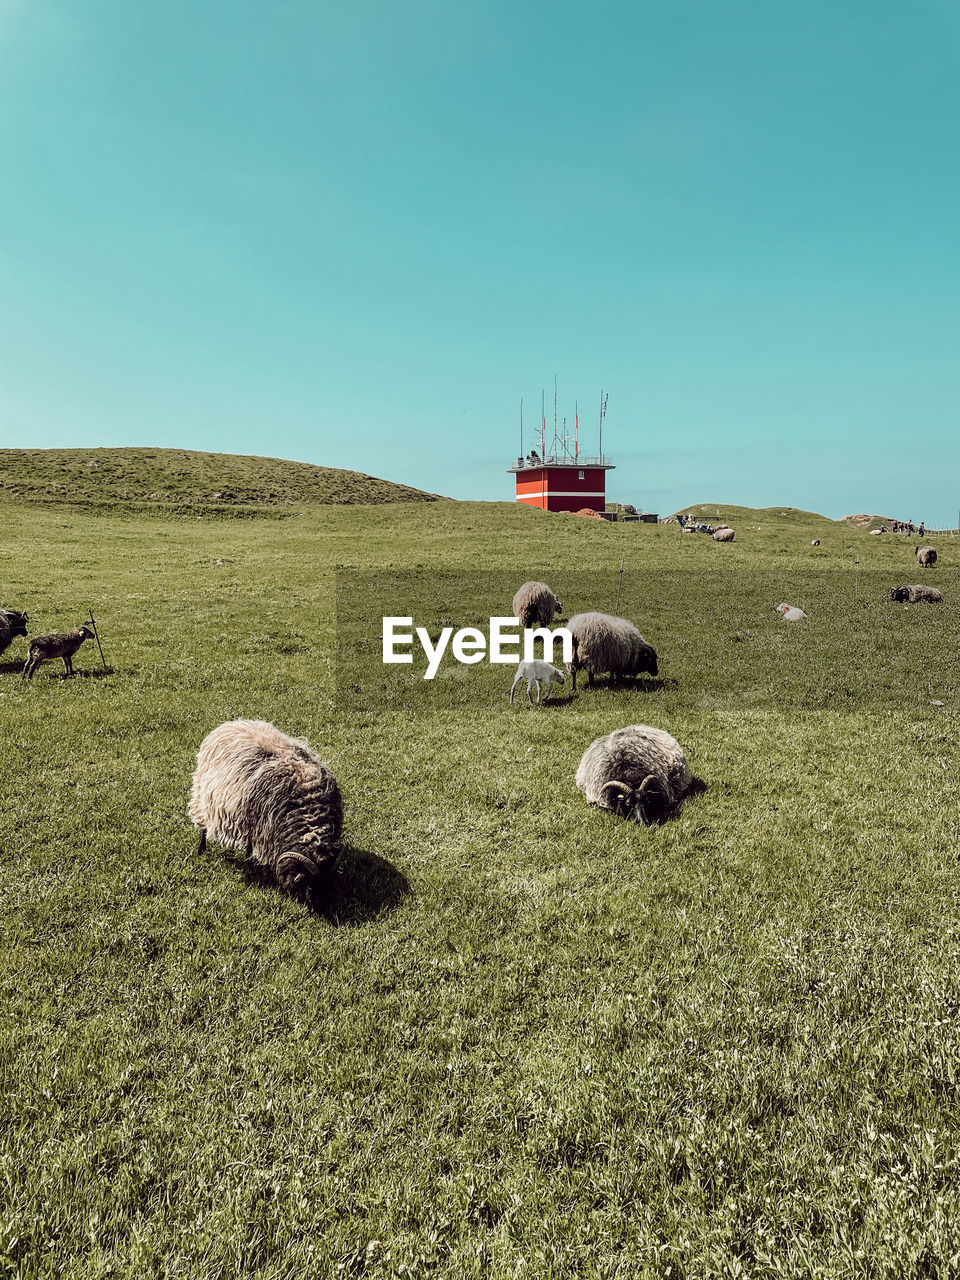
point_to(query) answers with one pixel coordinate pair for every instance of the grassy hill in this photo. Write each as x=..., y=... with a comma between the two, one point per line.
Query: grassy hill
x=523, y=1038
x=177, y=478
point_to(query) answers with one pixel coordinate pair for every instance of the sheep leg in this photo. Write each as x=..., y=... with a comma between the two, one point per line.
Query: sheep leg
x=68, y=665
x=203, y=841
x=28, y=669
x=513, y=687
x=529, y=699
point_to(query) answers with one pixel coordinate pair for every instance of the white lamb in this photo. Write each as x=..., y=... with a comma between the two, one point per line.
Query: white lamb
x=791, y=613
x=535, y=671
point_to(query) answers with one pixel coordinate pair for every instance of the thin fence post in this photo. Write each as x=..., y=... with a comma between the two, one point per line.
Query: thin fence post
x=96, y=636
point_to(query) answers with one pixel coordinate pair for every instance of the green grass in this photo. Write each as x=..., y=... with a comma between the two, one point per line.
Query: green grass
x=524, y=1038
x=172, y=480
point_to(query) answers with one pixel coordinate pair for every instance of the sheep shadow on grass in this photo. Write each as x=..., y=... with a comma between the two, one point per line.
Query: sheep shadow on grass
x=364, y=887
x=11, y=668
x=564, y=700
x=82, y=673
x=642, y=684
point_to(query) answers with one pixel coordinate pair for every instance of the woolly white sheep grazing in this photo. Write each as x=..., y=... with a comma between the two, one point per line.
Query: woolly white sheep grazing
x=534, y=671
x=603, y=642
x=255, y=789
x=535, y=605
x=638, y=772
x=926, y=555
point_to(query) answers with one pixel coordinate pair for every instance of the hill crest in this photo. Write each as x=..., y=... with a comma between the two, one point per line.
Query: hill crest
x=178, y=478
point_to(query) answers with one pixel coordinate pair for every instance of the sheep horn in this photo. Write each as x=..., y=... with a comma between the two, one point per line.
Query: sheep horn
x=287, y=859
x=617, y=786
x=623, y=793
x=652, y=800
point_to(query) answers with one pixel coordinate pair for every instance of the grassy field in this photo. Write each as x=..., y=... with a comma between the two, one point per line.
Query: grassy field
x=171, y=481
x=524, y=1039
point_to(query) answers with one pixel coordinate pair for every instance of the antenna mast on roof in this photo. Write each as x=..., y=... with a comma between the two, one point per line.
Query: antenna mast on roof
x=603, y=414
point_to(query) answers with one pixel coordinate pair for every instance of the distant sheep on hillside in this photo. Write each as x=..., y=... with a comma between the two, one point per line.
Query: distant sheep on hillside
x=536, y=605
x=916, y=594
x=815, y=542
x=723, y=534
x=638, y=772
x=256, y=789
x=927, y=556
x=603, y=643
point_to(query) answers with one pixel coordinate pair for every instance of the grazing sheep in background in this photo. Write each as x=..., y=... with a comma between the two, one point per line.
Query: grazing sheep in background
x=638, y=772
x=603, y=643
x=723, y=534
x=535, y=605
x=12, y=624
x=790, y=613
x=534, y=671
x=62, y=645
x=874, y=533
x=815, y=542
x=916, y=594
x=257, y=790
x=927, y=556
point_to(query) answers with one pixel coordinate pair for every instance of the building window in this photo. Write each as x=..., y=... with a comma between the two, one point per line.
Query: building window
x=579, y=475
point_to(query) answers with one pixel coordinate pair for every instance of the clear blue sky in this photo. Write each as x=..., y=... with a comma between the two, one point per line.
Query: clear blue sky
x=357, y=232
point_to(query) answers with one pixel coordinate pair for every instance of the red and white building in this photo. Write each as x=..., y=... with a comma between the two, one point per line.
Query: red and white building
x=562, y=483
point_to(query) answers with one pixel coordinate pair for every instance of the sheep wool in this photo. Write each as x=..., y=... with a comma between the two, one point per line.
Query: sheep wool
x=258, y=790
x=916, y=593
x=723, y=534
x=604, y=643
x=63, y=644
x=926, y=556
x=12, y=624
x=638, y=772
x=535, y=605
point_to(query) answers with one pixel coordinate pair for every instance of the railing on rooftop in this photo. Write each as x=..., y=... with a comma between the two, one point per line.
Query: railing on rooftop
x=562, y=460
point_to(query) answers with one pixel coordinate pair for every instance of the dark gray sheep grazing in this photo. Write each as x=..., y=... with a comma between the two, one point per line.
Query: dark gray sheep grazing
x=638, y=772
x=916, y=593
x=63, y=644
x=257, y=790
x=536, y=605
x=927, y=556
x=603, y=643
x=13, y=623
